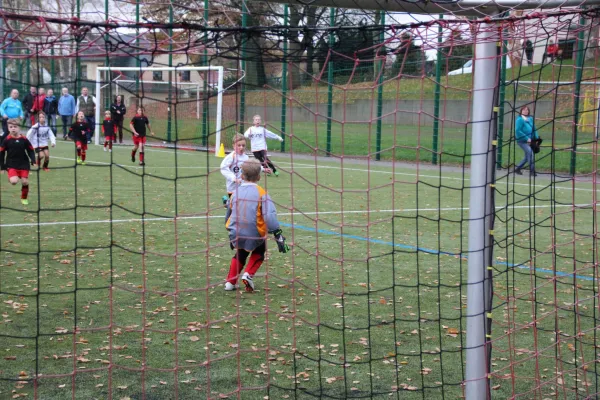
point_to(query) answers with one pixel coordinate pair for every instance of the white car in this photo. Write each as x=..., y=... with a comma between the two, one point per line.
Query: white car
x=468, y=68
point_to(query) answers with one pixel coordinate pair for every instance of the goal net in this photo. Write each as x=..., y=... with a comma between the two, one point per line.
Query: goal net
x=185, y=103
x=438, y=250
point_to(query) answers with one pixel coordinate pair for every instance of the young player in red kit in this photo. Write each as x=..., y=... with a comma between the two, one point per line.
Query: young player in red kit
x=79, y=134
x=109, y=128
x=138, y=127
x=16, y=154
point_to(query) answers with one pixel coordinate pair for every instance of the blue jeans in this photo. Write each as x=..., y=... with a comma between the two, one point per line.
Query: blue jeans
x=52, y=122
x=528, y=157
x=92, y=123
x=67, y=121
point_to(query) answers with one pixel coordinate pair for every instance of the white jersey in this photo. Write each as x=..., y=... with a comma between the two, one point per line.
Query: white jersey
x=39, y=135
x=231, y=168
x=258, y=137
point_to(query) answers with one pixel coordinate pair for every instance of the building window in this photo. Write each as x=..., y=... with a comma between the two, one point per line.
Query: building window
x=157, y=76
x=185, y=76
x=83, y=73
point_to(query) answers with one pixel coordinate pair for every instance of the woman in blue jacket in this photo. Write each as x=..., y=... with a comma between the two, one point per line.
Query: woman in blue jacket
x=525, y=133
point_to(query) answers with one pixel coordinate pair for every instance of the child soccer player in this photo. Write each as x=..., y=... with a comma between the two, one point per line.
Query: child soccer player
x=16, y=153
x=109, y=128
x=38, y=135
x=250, y=215
x=79, y=131
x=231, y=166
x=258, y=143
x=138, y=126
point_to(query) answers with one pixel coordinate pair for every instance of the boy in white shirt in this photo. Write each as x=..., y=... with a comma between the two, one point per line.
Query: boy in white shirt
x=258, y=143
x=231, y=166
x=39, y=135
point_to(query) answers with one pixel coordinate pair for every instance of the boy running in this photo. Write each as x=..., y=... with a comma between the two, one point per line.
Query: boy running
x=258, y=143
x=138, y=127
x=16, y=154
x=79, y=131
x=109, y=128
x=39, y=135
x=250, y=215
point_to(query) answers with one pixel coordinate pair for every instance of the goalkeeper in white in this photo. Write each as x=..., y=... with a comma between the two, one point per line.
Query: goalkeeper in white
x=39, y=135
x=231, y=166
x=258, y=143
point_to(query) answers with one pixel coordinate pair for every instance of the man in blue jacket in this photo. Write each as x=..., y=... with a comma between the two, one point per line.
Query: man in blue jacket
x=66, y=109
x=10, y=108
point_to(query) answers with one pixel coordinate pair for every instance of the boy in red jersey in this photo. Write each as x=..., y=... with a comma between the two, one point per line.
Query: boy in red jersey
x=79, y=131
x=16, y=154
x=138, y=127
x=109, y=128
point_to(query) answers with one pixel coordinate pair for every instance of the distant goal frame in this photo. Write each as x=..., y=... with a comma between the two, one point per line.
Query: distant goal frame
x=219, y=95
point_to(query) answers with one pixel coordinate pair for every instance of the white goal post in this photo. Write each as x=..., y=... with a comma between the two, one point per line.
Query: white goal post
x=218, y=87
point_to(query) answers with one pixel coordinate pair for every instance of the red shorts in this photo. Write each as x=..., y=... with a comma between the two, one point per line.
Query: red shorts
x=20, y=173
x=139, y=140
x=108, y=137
x=83, y=145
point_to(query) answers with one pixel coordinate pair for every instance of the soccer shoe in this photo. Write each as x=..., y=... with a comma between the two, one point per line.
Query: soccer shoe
x=142, y=163
x=24, y=202
x=83, y=163
x=133, y=158
x=247, y=279
x=276, y=173
x=46, y=169
x=230, y=286
x=105, y=149
x=79, y=160
x=518, y=171
x=225, y=198
x=110, y=150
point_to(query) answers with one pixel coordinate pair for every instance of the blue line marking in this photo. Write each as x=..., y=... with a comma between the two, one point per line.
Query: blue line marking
x=430, y=251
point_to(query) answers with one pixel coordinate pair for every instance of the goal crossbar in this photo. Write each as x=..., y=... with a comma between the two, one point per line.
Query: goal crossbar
x=219, y=89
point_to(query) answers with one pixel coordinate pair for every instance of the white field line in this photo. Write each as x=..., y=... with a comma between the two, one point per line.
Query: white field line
x=204, y=217
x=311, y=166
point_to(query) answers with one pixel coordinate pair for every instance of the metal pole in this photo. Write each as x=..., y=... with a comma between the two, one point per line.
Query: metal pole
x=577, y=94
x=244, y=41
x=284, y=78
x=330, y=82
x=137, y=46
x=52, y=68
x=502, y=96
x=170, y=96
x=206, y=78
x=2, y=64
x=106, y=64
x=477, y=384
x=436, y=99
x=77, y=58
x=381, y=20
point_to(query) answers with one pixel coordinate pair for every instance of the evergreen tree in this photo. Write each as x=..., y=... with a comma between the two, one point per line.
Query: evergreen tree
x=409, y=57
x=456, y=52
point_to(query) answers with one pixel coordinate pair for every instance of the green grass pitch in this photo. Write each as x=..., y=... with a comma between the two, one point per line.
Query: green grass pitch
x=114, y=296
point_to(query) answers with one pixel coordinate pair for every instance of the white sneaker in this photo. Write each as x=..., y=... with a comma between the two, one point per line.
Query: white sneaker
x=247, y=279
x=230, y=286
x=110, y=150
x=105, y=149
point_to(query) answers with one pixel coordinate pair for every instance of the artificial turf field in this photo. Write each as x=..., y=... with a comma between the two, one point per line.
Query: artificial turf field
x=389, y=319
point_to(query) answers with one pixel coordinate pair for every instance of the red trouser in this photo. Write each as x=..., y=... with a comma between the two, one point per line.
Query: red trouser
x=239, y=260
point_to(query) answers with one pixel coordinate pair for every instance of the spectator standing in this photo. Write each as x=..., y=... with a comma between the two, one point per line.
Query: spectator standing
x=51, y=109
x=118, y=111
x=29, y=103
x=66, y=109
x=11, y=108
